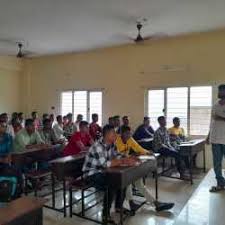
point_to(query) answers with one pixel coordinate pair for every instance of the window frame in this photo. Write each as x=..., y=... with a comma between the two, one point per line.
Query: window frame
x=188, y=102
x=88, y=101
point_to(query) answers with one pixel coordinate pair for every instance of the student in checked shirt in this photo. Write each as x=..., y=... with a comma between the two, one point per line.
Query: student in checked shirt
x=125, y=145
x=101, y=155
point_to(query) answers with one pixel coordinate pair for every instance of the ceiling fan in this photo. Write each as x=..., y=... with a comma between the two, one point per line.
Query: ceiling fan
x=21, y=47
x=140, y=38
x=21, y=53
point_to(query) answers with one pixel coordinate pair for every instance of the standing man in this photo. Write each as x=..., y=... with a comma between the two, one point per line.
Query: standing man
x=217, y=138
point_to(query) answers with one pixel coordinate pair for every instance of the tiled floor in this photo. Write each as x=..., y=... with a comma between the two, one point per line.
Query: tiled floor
x=169, y=190
x=204, y=208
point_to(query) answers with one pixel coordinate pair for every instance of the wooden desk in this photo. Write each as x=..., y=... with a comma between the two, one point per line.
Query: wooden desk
x=35, y=154
x=121, y=177
x=190, y=149
x=23, y=211
x=69, y=166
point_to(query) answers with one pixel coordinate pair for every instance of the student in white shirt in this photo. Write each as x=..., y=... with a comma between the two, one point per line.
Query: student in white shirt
x=58, y=129
x=217, y=138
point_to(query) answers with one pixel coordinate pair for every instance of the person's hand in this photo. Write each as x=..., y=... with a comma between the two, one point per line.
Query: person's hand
x=116, y=162
x=149, y=152
x=131, y=161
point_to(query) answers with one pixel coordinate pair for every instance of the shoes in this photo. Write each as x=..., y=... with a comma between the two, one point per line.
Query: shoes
x=161, y=206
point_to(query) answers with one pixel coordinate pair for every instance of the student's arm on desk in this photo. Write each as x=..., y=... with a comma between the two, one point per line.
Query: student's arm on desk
x=121, y=162
x=138, y=149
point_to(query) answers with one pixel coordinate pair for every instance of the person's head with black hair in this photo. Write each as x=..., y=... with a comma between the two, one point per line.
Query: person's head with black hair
x=109, y=134
x=94, y=117
x=20, y=116
x=47, y=124
x=4, y=118
x=44, y=116
x=34, y=115
x=111, y=121
x=116, y=121
x=125, y=120
x=59, y=119
x=84, y=126
x=146, y=121
x=65, y=120
x=221, y=91
x=176, y=122
x=14, y=115
x=79, y=118
x=52, y=117
x=29, y=126
x=69, y=117
x=3, y=127
x=125, y=133
x=162, y=121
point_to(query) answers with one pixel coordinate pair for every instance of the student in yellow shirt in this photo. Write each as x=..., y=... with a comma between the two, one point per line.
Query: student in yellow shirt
x=176, y=132
x=125, y=144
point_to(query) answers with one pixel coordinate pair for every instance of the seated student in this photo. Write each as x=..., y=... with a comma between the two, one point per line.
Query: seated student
x=6, y=140
x=47, y=134
x=11, y=181
x=125, y=122
x=79, y=119
x=116, y=121
x=163, y=145
x=176, y=132
x=16, y=125
x=69, y=128
x=5, y=119
x=94, y=129
x=58, y=129
x=27, y=138
x=21, y=119
x=125, y=145
x=102, y=154
x=52, y=118
x=144, y=134
x=80, y=141
x=37, y=122
x=111, y=121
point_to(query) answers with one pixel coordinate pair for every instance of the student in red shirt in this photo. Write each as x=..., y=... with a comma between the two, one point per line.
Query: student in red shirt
x=80, y=141
x=94, y=129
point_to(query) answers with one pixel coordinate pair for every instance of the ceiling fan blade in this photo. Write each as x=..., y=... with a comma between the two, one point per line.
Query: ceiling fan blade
x=156, y=36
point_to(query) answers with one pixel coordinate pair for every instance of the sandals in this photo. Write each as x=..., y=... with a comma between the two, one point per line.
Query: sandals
x=215, y=189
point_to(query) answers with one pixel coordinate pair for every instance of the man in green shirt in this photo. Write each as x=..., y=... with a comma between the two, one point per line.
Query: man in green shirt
x=27, y=137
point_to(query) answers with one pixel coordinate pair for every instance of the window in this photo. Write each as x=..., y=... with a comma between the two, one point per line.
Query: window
x=191, y=104
x=156, y=105
x=200, y=110
x=82, y=102
x=66, y=102
x=177, y=99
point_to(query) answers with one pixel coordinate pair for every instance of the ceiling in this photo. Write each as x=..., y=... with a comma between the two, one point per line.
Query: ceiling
x=59, y=26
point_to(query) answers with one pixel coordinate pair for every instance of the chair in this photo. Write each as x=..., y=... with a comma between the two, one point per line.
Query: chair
x=35, y=176
x=81, y=184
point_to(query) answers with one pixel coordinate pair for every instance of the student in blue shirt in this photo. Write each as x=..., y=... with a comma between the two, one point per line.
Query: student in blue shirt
x=144, y=134
x=6, y=139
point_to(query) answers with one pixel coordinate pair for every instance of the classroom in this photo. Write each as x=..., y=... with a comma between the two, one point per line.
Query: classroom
x=112, y=112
